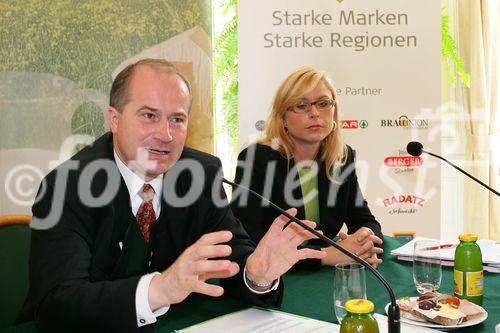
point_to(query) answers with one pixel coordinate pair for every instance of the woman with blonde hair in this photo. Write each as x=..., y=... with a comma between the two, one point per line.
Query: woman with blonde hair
x=302, y=162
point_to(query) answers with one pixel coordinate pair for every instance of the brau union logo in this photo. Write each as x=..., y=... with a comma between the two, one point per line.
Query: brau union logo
x=405, y=122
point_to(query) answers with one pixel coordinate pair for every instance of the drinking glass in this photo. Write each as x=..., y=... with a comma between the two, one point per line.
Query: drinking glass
x=427, y=265
x=349, y=283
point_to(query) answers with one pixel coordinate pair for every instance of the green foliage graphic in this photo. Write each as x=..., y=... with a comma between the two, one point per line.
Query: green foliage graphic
x=226, y=74
x=449, y=54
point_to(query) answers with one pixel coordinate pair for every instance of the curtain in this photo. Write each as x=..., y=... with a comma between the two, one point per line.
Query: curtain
x=477, y=33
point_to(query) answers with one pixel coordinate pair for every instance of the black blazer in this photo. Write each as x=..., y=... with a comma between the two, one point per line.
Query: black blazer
x=72, y=283
x=338, y=204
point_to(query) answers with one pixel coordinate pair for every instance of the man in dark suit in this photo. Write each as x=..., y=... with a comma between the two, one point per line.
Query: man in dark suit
x=136, y=222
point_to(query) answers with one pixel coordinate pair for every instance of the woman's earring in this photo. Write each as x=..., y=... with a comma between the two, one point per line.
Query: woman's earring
x=334, y=125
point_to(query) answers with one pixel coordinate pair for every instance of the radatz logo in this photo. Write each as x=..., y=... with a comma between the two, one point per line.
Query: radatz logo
x=353, y=124
x=403, y=163
x=403, y=204
x=405, y=122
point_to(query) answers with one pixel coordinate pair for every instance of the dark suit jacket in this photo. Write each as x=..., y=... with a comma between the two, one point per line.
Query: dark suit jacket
x=338, y=204
x=72, y=264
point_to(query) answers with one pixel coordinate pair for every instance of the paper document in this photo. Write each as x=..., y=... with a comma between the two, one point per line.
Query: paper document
x=492, y=268
x=255, y=320
x=490, y=251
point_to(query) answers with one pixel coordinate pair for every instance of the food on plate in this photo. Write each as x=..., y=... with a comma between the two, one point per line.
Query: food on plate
x=453, y=301
x=439, y=308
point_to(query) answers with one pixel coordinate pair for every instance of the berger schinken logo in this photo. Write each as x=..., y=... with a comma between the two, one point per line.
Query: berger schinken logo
x=405, y=122
x=403, y=161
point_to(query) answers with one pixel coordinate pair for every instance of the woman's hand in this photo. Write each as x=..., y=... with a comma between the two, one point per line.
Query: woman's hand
x=362, y=243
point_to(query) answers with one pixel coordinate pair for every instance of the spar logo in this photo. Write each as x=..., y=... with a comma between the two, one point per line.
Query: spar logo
x=403, y=204
x=405, y=122
x=403, y=161
x=353, y=124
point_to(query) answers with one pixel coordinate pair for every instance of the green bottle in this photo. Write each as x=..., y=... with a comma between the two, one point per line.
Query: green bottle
x=468, y=269
x=359, y=317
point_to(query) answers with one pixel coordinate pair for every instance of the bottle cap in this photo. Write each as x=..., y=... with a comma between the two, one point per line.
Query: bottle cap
x=359, y=306
x=468, y=237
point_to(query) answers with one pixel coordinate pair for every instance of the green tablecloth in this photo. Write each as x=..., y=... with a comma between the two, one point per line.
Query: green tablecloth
x=310, y=294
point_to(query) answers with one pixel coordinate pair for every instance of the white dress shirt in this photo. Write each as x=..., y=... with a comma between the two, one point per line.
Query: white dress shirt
x=145, y=315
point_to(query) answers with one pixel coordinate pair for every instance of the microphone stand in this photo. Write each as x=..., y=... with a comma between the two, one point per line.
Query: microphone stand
x=462, y=171
x=393, y=314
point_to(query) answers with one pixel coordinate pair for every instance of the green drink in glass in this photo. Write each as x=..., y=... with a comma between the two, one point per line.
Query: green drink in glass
x=359, y=318
x=468, y=270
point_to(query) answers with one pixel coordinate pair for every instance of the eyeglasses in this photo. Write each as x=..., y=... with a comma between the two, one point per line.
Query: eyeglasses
x=323, y=104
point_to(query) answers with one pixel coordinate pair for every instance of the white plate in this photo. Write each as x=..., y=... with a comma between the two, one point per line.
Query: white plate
x=442, y=327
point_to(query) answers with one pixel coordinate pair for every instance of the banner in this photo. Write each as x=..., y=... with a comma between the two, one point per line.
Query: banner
x=384, y=58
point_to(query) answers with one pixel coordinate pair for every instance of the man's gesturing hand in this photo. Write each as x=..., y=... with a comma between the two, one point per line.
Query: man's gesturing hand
x=190, y=271
x=277, y=251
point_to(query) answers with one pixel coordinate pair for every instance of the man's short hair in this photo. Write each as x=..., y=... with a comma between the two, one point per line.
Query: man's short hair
x=118, y=96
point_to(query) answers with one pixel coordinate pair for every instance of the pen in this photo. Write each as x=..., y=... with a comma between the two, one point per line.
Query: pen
x=444, y=246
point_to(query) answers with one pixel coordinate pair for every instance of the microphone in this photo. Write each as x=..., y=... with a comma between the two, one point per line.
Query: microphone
x=393, y=315
x=415, y=148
